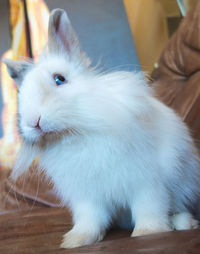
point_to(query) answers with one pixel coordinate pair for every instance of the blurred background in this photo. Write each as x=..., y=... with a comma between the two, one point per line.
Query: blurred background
x=109, y=29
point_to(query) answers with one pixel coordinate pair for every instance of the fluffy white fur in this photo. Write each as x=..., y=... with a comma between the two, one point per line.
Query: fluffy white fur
x=109, y=146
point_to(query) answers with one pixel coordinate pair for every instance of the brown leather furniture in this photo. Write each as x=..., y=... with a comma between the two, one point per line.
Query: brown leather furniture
x=177, y=78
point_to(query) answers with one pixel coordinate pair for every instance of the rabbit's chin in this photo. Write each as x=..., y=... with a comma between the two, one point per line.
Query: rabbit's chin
x=31, y=135
x=41, y=138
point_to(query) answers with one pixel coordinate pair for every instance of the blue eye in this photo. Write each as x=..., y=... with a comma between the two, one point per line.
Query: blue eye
x=59, y=79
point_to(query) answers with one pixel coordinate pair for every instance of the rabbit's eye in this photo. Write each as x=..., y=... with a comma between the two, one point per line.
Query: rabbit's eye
x=59, y=79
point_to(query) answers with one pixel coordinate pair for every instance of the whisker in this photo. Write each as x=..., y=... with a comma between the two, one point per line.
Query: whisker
x=36, y=195
x=23, y=184
x=118, y=68
x=6, y=196
x=18, y=205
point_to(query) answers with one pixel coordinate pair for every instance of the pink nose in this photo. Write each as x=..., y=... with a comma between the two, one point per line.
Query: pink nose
x=37, y=126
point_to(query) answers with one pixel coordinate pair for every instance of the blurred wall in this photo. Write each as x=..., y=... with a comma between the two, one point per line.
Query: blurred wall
x=152, y=22
x=104, y=32
x=149, y=29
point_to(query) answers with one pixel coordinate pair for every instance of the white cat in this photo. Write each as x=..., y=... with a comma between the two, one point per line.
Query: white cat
x=111, y=149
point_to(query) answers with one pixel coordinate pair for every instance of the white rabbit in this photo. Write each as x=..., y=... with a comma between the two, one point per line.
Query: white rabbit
x=113, y=151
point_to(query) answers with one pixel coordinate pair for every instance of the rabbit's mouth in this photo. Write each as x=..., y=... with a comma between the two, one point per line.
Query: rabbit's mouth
x=41, y=137
x=33, y=131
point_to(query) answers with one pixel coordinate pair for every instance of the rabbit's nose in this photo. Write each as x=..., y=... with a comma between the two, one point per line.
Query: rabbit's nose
x=37, y=126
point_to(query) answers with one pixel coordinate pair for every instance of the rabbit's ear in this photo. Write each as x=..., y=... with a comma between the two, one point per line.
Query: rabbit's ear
x=61, y=35
x=17, y=69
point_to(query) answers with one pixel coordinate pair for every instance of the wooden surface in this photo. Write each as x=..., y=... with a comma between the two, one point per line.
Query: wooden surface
x=40, y=231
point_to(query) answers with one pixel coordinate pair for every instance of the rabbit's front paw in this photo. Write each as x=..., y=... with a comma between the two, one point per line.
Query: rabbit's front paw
x=74, y=239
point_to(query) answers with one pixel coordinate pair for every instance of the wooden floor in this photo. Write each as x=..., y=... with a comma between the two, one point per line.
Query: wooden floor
x=40, y=231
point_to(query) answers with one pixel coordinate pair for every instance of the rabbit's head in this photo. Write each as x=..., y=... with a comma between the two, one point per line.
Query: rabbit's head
x=60, y=94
